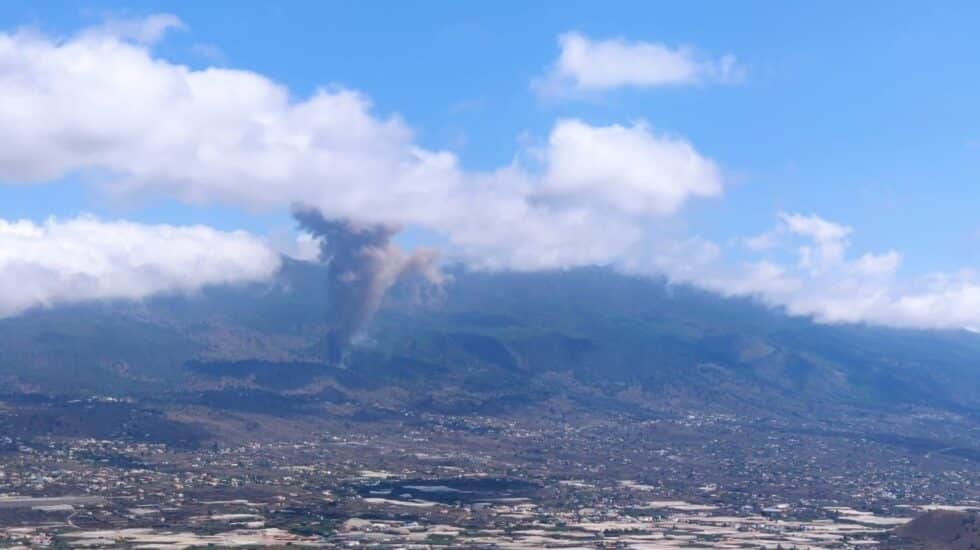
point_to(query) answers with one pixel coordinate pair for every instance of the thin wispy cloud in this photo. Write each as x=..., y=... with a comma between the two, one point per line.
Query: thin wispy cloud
x=587, y=66
x=143, y=30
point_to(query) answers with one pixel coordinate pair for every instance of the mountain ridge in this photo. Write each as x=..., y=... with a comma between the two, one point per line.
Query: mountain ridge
x=486, y=334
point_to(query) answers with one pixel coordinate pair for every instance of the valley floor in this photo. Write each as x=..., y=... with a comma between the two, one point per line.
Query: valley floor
x=548, y=479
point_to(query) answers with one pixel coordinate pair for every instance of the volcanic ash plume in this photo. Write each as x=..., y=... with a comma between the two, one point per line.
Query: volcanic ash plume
x=363, y=265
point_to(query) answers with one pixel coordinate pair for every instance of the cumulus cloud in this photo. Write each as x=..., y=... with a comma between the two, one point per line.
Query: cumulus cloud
x=81, y=259
x=104, y=106
x=586, y=65
x=629, y=168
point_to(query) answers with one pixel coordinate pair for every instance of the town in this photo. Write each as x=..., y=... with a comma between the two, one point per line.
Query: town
x=424, y=480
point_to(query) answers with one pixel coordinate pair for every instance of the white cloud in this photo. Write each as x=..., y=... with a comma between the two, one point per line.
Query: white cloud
x=876, y=265
x=81, y=259
x=305, y=246
x=815, y=227
x=104, y=106
x=763, y=241
x=585, y=65
x=824, y=283
x=630, y=169
x=101, y=105
x=827, y=240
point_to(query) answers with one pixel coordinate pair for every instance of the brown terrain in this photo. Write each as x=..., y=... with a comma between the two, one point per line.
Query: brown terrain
x=940, y=529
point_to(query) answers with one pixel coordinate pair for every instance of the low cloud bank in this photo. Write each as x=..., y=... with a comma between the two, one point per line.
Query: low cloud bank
x=82, y=259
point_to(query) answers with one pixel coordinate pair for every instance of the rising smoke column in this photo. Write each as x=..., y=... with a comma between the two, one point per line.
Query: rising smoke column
x=363, y=265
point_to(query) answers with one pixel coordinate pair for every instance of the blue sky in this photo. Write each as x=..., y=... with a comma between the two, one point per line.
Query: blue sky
x=863, y=114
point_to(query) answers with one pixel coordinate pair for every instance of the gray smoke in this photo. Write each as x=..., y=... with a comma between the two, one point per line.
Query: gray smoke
x=363, y=265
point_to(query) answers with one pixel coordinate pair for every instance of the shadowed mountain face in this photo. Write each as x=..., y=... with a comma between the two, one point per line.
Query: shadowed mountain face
x=939, y=529
x=486, y=343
